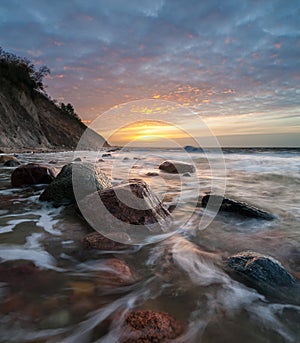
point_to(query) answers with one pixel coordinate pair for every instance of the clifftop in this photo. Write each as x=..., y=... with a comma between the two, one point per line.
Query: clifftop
x=28, y=118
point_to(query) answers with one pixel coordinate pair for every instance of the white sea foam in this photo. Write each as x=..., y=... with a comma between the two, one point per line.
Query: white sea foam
x=12, y=224
x=41, y=258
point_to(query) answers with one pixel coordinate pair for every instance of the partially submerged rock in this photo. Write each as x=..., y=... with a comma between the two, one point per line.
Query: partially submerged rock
x=190, y=148
x=177, y=167
x=130, y=208
x=12, y=163
x=115, y=273
x=31, y=174
x=236, y=207
x=265, y=274
x=60, y=191
x=95, y=240
x=26, y=277
x=150, y=326
x=152, y=173
x=5, y=158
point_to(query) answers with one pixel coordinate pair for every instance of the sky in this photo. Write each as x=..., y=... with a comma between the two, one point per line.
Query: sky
x=234, y=64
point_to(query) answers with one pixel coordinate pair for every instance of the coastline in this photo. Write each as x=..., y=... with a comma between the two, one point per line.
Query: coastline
x=228, y=150
x=4, y=150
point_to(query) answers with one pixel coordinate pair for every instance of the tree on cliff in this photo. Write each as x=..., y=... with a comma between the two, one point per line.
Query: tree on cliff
x=21, y=71
x=23, y=74
x=69, y=109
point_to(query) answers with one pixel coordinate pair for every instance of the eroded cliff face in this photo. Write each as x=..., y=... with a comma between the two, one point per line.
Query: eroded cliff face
x=29, y=120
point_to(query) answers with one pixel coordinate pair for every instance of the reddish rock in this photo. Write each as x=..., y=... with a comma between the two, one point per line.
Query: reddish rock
x=5, y=158
x=130, y=203
x=149, y=326
x=31, y=174
x=26, y=277
x=176, y=167
x=13, y=303
x=116, y=273
x=95, y=240
x=18, y=272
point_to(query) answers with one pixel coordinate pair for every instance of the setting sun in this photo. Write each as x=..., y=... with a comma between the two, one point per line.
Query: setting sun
x=146, y=131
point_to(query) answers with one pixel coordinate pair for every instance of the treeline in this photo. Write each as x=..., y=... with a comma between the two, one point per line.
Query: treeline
x=23, y=74
x=69, y=110
x=21, y=71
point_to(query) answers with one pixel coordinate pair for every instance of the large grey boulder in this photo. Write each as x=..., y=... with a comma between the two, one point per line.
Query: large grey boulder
x=265, y=274
x=88, y=176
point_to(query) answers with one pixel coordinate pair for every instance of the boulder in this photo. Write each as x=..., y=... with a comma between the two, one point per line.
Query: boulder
x=152, y=173
x=115, y=273
x=176, y=167
x=95, y=240
x=24, y=276
x=106, y=155
x=12, y=163
x=150, y=326
x=77, y=159
x=190, y=148
x=60, y=191
x=31, y=174
x=236, y=207
x=122, y=208
x=5, y=158
x=265, y=274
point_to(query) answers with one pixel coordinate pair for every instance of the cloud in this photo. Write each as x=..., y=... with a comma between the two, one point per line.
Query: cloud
x=219, y=58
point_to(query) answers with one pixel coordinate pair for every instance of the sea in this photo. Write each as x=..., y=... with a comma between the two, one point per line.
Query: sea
x=183, y=274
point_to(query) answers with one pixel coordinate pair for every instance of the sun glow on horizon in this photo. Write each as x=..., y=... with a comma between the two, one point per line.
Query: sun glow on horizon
x=147, y=131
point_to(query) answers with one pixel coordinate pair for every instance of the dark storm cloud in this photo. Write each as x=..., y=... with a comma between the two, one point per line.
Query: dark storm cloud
x=222, y=57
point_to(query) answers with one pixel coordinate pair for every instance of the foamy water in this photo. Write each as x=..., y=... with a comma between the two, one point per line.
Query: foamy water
x=181, y=275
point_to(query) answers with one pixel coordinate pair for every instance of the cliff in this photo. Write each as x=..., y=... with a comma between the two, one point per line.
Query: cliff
x=30, y=121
